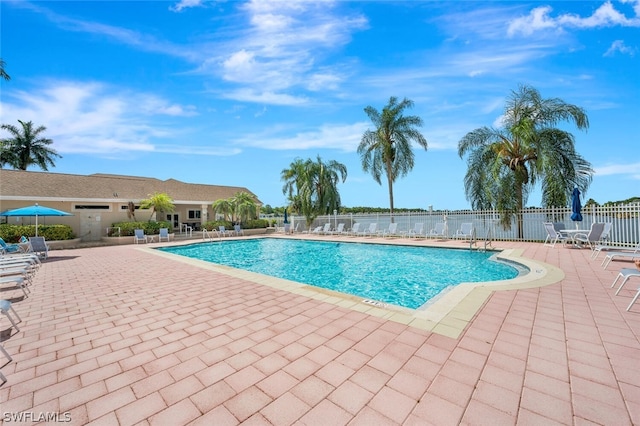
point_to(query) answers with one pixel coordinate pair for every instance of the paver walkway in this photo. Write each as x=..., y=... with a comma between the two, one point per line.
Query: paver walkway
x=116, y=335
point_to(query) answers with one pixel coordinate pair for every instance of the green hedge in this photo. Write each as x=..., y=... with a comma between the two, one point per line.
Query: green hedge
x=12, y=233
x=250, y=224
x=127, y=228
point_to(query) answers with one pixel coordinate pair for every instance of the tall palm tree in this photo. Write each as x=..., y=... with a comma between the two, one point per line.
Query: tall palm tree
x=26, y=147
x=388, y=148
x=3, y=73
x=313, y=186
x=158, y=202
x=504, y=165
x=293, y=177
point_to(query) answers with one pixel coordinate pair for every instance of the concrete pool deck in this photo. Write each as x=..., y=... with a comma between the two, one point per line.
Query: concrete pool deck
x=119, y=335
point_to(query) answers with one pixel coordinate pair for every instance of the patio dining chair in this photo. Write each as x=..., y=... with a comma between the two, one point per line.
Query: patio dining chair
x=139, y=236
x=553, y=235
x=592, y=238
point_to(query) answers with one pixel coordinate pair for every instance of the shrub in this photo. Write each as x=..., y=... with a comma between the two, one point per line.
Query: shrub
x=213, y=224
x=127, y=228
x=12, y=233
x=256, y=224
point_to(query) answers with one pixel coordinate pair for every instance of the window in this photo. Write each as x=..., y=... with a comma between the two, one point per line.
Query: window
x=193, y=214
x=91, y=207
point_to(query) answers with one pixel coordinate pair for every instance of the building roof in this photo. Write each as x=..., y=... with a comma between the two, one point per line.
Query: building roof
x=21, y=185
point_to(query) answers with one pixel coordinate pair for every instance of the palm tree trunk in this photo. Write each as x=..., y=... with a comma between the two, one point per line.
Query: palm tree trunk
x=390, y=198
x=519, y=219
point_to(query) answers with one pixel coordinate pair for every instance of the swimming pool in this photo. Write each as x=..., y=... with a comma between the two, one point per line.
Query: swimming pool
x=400, y=275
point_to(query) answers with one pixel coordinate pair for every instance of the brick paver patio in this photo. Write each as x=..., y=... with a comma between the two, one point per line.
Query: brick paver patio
x=118, y=335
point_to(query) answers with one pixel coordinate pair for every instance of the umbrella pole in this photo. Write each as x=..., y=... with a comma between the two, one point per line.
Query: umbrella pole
x=36, y=225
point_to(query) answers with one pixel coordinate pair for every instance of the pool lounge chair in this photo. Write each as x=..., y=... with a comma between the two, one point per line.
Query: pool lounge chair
x=465, y=232
x=9, y=248
x=238, y=230
x=621, y=256
x=326, y=229
x=339, y=230
x=355, y=228
x=613, y=248
x=416, y=232
x=371, y=231
x=439, y=231
x=139, y=236
x=553, y=235
x=39, y=246
x=625, y=274
x=392, y=230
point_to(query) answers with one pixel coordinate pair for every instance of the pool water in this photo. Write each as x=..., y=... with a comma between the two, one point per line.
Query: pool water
x=399, y=275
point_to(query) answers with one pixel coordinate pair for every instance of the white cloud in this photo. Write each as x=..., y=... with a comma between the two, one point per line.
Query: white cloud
x=631, y=169
x=343, y=137
x=619, y=46
x=185, y=4
x=540, y=19
x=95, y=118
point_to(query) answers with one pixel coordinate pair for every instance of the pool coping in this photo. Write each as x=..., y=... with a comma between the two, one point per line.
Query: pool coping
x=447, y=314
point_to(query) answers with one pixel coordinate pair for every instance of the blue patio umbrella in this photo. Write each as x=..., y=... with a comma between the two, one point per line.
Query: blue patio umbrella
x=35, y=210
x=286, y=218
x=576, y=206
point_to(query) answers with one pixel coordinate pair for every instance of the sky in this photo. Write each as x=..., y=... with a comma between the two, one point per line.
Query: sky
x=232, y=92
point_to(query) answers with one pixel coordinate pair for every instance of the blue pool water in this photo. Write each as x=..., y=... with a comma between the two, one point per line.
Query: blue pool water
x=400, y=275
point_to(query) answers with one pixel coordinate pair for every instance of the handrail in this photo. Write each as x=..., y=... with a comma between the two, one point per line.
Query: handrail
x=209, y=237
x=487, y=239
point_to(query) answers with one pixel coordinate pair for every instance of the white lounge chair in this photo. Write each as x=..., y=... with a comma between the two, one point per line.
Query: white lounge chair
x=613, y=248
x=139, y=236
x=355, y=228
x=465, y=232
x=339, y=230
x=553, y=236
x=371, y=231
x=416, y=232
x=164, y=234
x=625, y=274
x=326, y=229
x=620, y=255
x=392, y=230
x=238, y=230
x=592, y=238
x=439, y=231
x=39, y=246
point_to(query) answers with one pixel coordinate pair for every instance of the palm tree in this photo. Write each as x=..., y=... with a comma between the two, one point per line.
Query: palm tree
x=158, y=202
x=504, y=165
x=293, y=178
x=224, y=207
x=3, y=73
x=312, y=186
x=26, y=147
x=245, y=207
x=387, y=149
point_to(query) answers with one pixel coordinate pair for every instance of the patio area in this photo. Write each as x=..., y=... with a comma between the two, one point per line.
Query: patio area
x=121, y=335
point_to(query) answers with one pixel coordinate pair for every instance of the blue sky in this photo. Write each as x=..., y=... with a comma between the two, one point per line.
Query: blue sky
x=231, y=92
